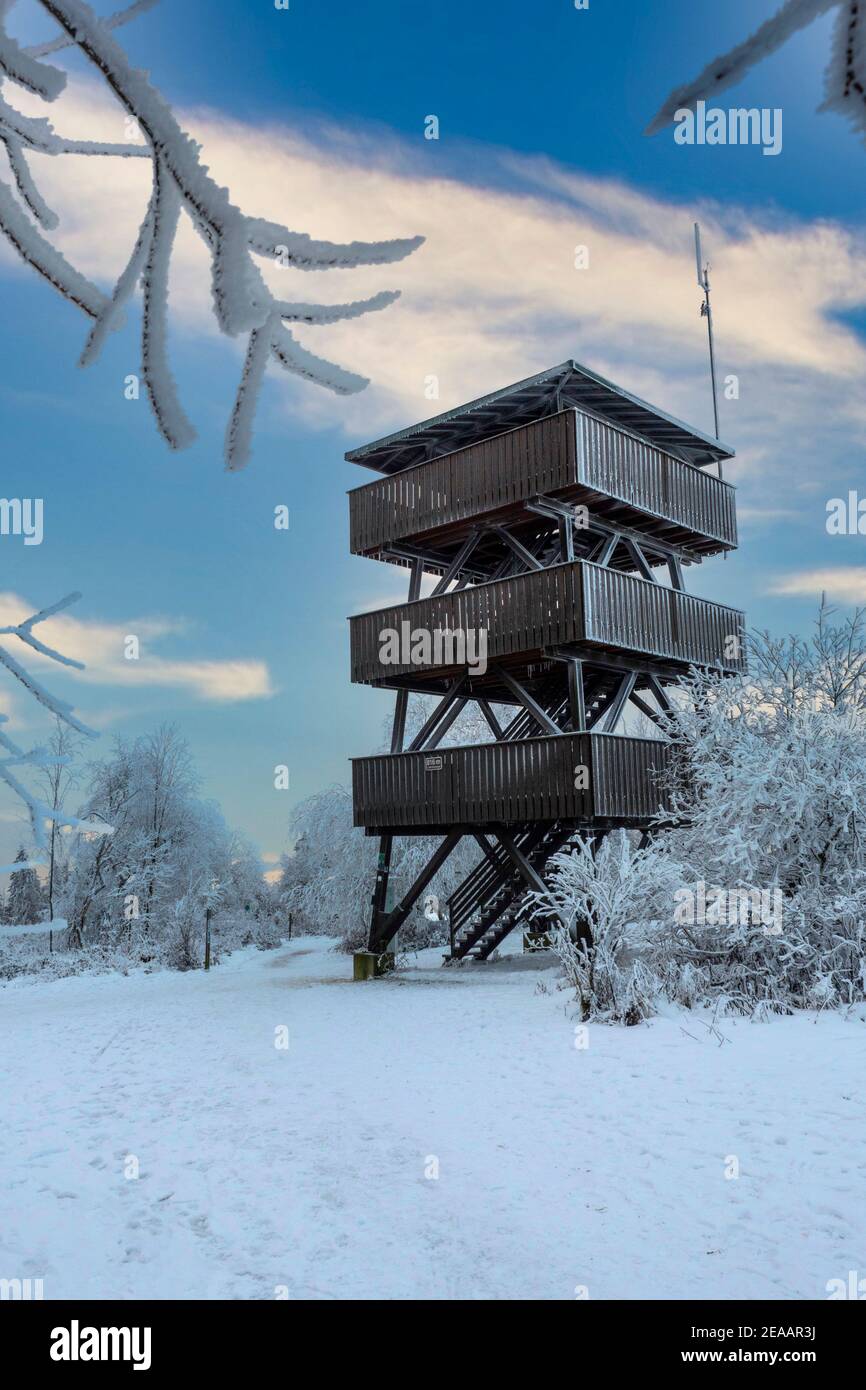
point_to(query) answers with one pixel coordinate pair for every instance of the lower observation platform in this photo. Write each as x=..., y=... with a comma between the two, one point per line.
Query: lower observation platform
x=603, y=779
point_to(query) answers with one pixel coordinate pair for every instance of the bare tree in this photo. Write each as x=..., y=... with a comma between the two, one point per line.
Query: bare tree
x=242, y=302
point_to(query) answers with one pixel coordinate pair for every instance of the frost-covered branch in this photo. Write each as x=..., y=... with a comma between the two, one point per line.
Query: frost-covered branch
x=243, y=304
x=39, y=811
x=845, y=77
x=113, y=21
x=32, y=247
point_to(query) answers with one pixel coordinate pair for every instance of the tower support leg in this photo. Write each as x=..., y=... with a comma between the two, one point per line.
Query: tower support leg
x=382, y=933
x=398, y=734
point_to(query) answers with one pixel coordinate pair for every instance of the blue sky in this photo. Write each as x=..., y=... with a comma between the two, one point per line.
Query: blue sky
x=315, y=117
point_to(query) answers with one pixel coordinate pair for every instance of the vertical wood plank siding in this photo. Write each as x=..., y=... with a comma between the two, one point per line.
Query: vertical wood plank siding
x=625, y=774
x=509, y=783
x=619, y=465
x=572, y=603
x=557, y=454
x=522, y=614
x=633, y=614
x=485, y=477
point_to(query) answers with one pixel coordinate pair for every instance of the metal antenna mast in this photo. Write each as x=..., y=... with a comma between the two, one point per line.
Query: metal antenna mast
x=707, y=313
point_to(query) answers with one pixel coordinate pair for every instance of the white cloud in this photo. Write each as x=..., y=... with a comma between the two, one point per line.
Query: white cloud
x=846, y=585
x=101, y=647
x=493, y=295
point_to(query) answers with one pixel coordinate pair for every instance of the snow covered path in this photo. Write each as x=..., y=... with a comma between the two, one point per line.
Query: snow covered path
x=263, y=1167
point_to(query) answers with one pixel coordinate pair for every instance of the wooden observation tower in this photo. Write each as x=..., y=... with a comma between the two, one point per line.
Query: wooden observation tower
x=550, y=513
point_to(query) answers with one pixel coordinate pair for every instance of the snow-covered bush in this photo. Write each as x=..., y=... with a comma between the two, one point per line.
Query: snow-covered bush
x=185, y=928
x=606, y=900
x=140, y=896
x=752, y=895
x=23, y=957
x=769, y=797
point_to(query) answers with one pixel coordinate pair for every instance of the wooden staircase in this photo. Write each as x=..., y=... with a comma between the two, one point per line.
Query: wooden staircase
x=490, y=901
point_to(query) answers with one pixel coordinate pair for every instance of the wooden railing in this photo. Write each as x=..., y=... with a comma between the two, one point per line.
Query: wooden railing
x=619, y=465
x=636, y=615
x=571, y=777
x=575, y=603
x=572, y=456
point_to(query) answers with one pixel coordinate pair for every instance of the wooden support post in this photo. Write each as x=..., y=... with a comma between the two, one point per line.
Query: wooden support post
x=440, y=712
x=576, y=696
x=398, y=732
x=493, y=723
x=658, y=690
x=521, y=863
x=646, y=709
x=606, y=551
x=626, y=686
x=541, y=717
x=457, y=563
x=640, y=560
x=518, y=548
x=566, y=539
x=380, y=888
x=390, y=925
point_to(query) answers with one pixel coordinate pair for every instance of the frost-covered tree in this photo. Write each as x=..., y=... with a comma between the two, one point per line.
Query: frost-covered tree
x=41, y=813
x=57, y=780
x=145, y=889
x=769, y=777
x=753, y=890
x=243, y=304
x=144, y=789
x=827, y=669
x=24, y=897
x=94, y=872
x=324, y=880
x=242, y=880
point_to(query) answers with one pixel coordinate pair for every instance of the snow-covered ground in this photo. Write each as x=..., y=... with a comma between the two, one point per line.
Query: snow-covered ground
x=308, y=1169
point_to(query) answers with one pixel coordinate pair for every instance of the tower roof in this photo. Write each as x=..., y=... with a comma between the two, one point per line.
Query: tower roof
x=569, y=384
